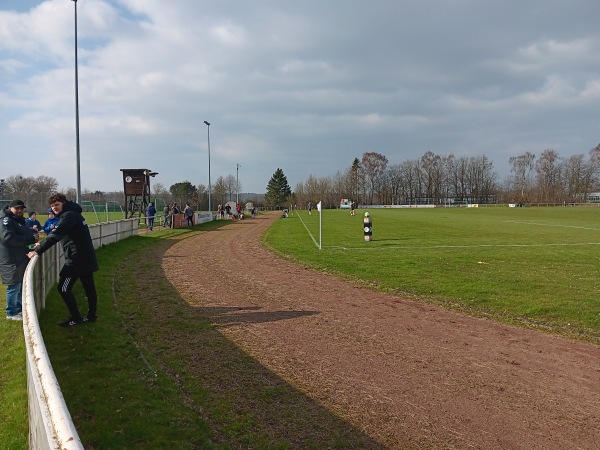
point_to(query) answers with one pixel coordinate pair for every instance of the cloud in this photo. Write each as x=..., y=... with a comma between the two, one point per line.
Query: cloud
x=305, y=86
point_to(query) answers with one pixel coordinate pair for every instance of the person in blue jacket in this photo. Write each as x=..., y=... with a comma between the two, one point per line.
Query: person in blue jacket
x=80, y=257
x=51, y=222
x=33, y=223
x=150, y=213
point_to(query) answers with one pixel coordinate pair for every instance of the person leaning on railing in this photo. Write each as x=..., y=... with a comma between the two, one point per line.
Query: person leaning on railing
x=80, y=257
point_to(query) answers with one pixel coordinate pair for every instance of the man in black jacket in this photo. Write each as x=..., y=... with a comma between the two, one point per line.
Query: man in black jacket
x=80, y=257
x=15, y=236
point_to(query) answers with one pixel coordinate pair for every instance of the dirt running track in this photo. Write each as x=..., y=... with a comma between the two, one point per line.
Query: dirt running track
x=407, y=374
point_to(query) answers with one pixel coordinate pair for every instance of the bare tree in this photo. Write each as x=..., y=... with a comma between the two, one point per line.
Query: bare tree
x=548, y=176
x=374, y=165
x=219, y=191
x=394, y=177
x=432, y=170
x=573, y=175
x=521, y=167
x=411, y=177
x=230, y=185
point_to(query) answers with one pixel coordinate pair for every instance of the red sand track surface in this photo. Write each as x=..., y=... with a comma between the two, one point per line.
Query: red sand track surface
x=407, y=374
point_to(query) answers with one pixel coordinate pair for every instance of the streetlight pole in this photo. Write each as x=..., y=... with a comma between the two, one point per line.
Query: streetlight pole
x=237, y=183
x=209, y=185
x=77, y=113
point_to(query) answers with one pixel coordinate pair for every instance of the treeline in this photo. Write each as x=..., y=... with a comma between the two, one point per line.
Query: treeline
x=35, y=192
x=439, y=179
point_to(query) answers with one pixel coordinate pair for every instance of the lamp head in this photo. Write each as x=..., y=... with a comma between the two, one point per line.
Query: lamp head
x=206, y=122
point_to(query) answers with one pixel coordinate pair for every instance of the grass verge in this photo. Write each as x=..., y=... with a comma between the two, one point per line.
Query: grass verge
x=13, y=384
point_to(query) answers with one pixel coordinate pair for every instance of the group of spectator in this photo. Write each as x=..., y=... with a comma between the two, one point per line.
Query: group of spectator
x=36, y=227
x=20, y=241
x=168, y=212
x=225, y=212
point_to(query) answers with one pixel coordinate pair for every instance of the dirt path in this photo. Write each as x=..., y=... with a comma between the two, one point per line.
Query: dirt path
x=405, y=373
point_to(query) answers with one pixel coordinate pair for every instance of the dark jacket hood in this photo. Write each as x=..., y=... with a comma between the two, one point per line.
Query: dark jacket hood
x=71, y=206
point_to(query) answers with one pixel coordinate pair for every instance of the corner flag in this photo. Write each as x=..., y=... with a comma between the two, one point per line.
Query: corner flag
x=319, y=206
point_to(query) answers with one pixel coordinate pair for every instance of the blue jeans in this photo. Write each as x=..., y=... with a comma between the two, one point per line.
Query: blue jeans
x=150, y=223
x=13, y=299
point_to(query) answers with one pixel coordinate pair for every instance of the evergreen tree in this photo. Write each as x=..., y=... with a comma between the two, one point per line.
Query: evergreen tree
x=278, y=190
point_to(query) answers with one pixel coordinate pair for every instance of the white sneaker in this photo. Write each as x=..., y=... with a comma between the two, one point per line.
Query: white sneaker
x=15, y=317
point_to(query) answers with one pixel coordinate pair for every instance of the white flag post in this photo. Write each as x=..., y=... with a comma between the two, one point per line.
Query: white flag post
x=320, y=222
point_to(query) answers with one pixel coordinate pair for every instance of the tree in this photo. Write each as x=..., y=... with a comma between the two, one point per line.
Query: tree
x=548, y=176
x=219, y=191
x=432, y=169
x=522, y=166
x=355, y=173
x=374, y=164
x=182, y=192
x=231, y=186
x=278, y=190
x=201, y=197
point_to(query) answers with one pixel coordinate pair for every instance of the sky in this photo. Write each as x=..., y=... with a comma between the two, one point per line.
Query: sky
x=305, y=86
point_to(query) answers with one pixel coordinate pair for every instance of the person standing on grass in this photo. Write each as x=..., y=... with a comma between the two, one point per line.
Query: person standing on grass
x=150, y=213
x=351, y=208
x=80, y=257
x=166, y=211
x=15, y=236
x=189, y=214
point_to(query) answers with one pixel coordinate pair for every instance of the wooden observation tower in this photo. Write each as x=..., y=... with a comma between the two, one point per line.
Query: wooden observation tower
x=136, y=185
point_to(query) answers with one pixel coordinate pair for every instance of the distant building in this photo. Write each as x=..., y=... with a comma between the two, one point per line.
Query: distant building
x=594, y=197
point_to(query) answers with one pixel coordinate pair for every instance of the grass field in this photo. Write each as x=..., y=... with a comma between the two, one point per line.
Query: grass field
x=537, y=266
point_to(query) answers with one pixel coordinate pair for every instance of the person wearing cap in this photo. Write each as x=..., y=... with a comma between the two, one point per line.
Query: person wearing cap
x=51, y=222
x=15, y=237
x=80, y=257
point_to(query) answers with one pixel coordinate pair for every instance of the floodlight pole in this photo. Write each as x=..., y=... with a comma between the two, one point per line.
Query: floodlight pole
x=237, y=183
x=77, y=113
x=209, y=185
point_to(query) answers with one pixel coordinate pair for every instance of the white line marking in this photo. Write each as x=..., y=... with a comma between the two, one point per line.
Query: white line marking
x=550, y=225
x=309, y=233
x=411, y=247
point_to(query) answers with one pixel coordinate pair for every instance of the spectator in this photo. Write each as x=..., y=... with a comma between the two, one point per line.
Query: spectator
x=50, y=223
x=150, y=213
x=166, y=211
x=189, y=214
x=15, y=236
x=33, y=223
x=80, y=257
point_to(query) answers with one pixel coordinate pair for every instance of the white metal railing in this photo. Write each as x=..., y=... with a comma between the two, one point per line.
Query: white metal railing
x=50, y=424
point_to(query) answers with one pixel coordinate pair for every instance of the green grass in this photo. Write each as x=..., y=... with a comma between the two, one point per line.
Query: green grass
x=537, y=266
x=13, y=383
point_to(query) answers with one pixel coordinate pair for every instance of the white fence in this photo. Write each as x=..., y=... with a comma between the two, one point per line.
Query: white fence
x=50, y=424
